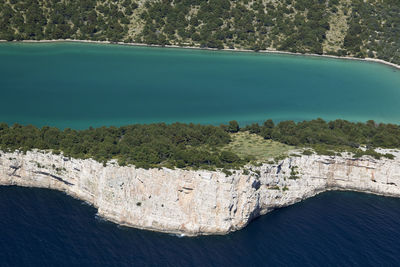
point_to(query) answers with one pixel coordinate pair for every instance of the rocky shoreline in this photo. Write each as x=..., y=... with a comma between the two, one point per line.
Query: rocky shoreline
x=396, y=66
x=198, y=202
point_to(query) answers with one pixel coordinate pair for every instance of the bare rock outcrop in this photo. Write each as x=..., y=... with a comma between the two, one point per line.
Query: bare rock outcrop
x=197, y=202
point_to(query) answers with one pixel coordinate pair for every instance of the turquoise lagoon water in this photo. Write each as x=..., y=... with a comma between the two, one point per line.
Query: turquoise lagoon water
x=81, y=85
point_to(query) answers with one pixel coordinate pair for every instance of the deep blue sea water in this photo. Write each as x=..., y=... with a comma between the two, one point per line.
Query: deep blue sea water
x=82, y=85
x=39, y=227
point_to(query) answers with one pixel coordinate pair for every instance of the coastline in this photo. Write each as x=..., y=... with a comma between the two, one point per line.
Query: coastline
x=192, y=203
x=240, y=192
x=375, y=60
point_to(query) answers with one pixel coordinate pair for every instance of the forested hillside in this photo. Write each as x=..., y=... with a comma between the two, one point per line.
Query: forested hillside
x=359, y=28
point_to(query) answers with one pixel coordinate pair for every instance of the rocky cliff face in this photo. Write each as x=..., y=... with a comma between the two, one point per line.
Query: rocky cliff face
x=197, y=202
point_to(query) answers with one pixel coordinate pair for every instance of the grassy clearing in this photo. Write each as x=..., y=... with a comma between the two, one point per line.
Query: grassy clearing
x=338, y=27
x=253, y=146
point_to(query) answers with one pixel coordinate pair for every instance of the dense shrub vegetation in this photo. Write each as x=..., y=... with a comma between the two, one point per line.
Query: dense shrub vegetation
x=339, y=27
x=327, y=137
x=196, y=146
x=338, y=132
x=153, y=145
x=374, y=30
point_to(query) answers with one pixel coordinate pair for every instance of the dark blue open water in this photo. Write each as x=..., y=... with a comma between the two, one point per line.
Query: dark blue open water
x=39, y=227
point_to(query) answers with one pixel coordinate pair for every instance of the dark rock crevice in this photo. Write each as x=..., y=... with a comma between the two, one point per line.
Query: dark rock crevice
x=54, y=177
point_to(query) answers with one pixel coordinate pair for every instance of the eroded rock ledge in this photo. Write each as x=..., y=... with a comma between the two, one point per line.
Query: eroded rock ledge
x=197, y=202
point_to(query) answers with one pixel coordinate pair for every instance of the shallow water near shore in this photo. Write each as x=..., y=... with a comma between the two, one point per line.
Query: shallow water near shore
x=39, y=227
x=80, y=85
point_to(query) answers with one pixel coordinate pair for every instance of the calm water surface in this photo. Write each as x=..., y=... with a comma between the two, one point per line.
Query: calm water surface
x=82, y=85
x=40, y=227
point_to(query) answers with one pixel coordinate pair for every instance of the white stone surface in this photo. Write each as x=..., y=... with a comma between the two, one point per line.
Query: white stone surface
x=197, y=202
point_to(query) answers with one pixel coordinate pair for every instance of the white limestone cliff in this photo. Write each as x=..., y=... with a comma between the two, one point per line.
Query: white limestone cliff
x=197, y=202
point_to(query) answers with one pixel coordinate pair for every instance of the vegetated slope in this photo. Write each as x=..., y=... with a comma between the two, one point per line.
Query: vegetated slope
x=338, y=27
x=201, y=146
x=331, y=137
x=153, y=145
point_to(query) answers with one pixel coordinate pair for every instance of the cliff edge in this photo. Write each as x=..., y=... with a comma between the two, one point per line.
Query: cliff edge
x=197, y=202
